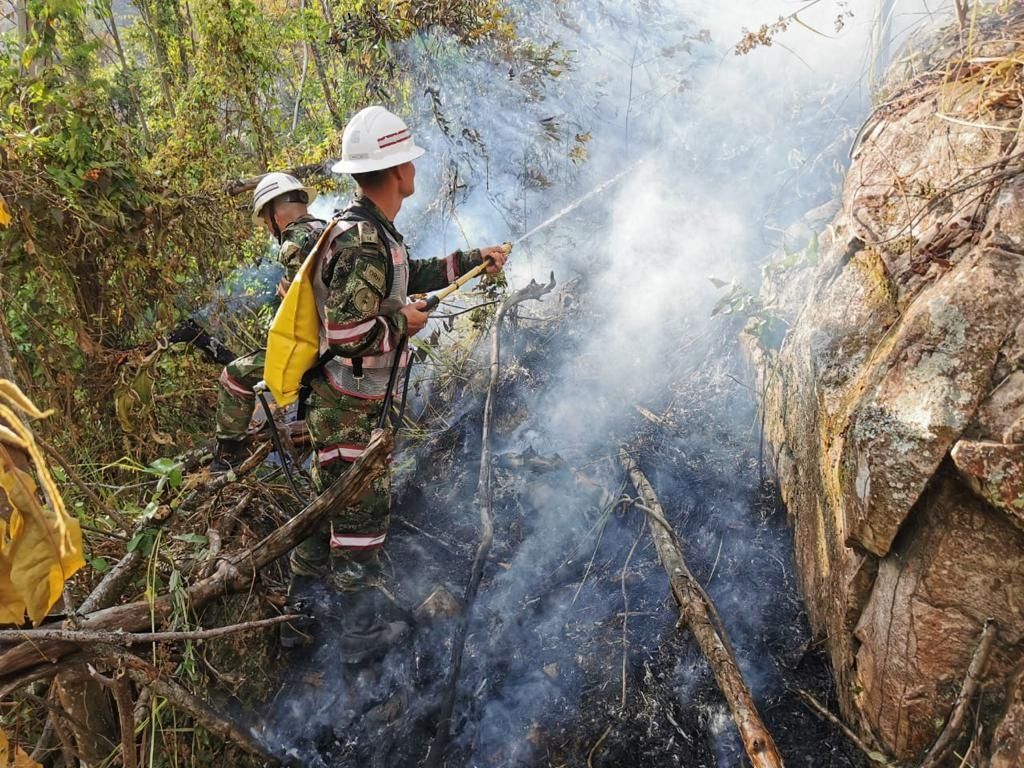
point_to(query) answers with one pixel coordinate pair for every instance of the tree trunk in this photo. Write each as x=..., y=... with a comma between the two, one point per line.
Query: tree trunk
x=332, y=107
x=159, y=52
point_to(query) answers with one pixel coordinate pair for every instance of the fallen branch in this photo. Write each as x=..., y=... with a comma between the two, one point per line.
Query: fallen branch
x=695, y=608
x=217, y=482
x=401, y=523
x=972, y=680
x=116, y=637
x=235, y=572
x=485, y=496
x=216, y=723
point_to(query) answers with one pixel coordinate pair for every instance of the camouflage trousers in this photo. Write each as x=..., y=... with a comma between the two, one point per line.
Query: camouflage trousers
x=236, y=401
x=348, y=543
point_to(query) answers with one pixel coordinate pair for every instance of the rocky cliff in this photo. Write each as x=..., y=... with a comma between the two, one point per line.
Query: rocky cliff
x=894, y=406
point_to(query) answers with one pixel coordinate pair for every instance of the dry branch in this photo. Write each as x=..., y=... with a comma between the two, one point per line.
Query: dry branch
x=235, y=572
x=121, y=690
x=103, y=507
x=216, y=723
x=485, y=496
x=972, y=680
x=117, y=637
x=696, y=610
x=239, y=186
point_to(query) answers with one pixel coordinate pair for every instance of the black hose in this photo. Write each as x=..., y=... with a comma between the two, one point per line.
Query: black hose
x=389, y=396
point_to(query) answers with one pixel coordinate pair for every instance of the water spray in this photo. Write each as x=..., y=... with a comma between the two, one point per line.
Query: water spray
x=576, y=203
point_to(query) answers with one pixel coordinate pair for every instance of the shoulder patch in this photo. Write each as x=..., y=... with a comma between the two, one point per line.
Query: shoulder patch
x=367, y=233
x=365, y=301
x=375, y=277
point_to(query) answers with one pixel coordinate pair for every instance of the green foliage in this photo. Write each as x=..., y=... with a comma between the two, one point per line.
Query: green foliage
x=767, y=328
x=120, y=137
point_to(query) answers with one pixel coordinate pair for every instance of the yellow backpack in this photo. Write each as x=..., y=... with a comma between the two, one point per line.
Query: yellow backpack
x=293, y=343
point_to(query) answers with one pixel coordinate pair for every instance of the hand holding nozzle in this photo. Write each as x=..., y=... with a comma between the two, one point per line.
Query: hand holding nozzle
x=494, y=258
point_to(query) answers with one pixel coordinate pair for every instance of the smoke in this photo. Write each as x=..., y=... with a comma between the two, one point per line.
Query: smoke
x=722, y=153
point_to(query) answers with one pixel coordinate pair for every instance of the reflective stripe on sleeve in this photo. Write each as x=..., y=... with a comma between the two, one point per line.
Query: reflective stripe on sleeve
x=341, y=333
x=233, y=386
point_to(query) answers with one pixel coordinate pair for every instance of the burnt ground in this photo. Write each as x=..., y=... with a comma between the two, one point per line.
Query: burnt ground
x=547, y=660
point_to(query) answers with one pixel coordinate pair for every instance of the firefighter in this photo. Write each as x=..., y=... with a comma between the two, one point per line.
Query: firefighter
x=281, y=204
x=362, y=283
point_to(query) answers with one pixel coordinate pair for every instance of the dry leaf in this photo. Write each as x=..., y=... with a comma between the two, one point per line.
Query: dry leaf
x=40, y=544
x=21, y=759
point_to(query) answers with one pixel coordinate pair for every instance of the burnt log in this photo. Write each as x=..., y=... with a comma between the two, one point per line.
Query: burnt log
x=701, y=617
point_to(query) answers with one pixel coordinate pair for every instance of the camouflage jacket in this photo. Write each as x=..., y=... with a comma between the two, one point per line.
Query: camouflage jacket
x=354, y=273
x=297, y=239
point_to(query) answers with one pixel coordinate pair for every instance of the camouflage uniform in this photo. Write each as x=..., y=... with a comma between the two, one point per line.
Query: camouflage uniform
x=361, y=318
x=236, y=400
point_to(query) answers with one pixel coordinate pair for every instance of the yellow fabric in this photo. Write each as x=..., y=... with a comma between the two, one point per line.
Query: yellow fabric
x=40, y=545
x=293, y=343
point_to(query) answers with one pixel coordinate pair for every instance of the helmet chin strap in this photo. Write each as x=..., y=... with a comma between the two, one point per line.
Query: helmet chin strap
x=273, y=222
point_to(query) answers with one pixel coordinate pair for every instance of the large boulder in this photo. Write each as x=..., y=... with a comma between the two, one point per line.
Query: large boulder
x=894, y=408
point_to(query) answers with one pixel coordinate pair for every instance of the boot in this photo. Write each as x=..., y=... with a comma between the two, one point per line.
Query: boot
x=369, y=627
x=230, y=455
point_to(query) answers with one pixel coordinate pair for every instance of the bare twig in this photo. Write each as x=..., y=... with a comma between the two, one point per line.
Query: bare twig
x=73, y=476
x=57, y=710
x=217, y=482
x=972, y=680
x=597, y=746
x=125, y=714
x=302, y=172
x=697, y=609
x=822, y=711
x=625, y=615
x=402, y=523
x=134, y=638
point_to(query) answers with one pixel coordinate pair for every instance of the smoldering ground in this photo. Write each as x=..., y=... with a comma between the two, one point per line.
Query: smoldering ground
x=572, y=656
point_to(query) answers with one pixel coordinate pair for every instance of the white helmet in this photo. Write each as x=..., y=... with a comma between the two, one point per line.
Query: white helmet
x=375, y=139
x=274, y=185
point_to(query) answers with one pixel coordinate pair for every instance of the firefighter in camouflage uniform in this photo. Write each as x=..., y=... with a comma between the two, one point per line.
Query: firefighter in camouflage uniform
x=362, y=284
x=281, y=204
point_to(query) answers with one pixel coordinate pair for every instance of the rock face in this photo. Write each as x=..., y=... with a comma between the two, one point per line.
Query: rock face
x=895, y=405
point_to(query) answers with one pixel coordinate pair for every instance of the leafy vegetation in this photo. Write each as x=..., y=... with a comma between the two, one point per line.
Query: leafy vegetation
x=122, y=134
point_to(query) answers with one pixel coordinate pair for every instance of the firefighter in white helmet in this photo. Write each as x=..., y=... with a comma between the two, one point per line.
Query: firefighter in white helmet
x=281, y=204
x=362, y=284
